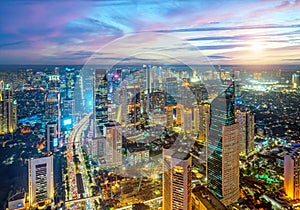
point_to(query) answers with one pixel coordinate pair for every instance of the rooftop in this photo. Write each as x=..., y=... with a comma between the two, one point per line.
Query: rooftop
x=17, y=196
x=209, y=200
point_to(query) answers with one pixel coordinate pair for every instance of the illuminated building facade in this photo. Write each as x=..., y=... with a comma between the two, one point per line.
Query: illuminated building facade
x=179, y=113
x=169, y=112
x=245, y=120
x=52, y=105
x=114, y=79
x=296, y=80
x=52, y=140
x=8, y=109
x=177, y=180
x=100, y=101
x=113, y=143
x=292, y=173
x=157, y=102
x=171, y=90
x=187, y=120
x=223, y=148
x=68, y=109
x=133, y=109
x=196, y=119
x=204, y=110
x=137, y=155
x=40, y=180
x=52, y=108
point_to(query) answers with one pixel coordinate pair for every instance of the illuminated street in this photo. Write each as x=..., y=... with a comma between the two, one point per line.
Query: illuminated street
x=74, y=141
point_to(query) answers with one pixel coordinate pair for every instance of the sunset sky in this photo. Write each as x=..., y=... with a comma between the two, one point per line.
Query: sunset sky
x=226, y=32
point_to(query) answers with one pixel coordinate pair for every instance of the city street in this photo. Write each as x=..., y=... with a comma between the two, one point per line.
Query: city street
x=77, y=168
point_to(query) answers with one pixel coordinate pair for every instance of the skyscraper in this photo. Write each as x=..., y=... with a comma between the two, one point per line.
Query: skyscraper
x=171, y=90
x=179, y=113
x=169, y=112
x=187, y=120
x=40, y=180
x=177, y=180
x=223, y=148
x=100, y=101
x=113, y=142
x=245, y=120
x=292, y=173
x=296, y=80
x=52, y=108
x=8, y=109
x=204, y=109
x=51, y=135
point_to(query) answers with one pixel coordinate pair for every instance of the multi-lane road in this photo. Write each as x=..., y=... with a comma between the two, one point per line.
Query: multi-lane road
x=78, y=178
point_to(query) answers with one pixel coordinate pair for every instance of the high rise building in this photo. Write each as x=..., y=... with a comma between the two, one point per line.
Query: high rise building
x=52, y=140
x=177, y=180
x=52, y=108
x=179, y=113
x=8, y=109
x=169, y=112
x=52, y=105
x=223, y=148
x=71, y=79
x=68, y=109
x=292, y=173
x=137, y=154
x=148, y=71
x=113, y=143
x=97, y=148
x=245, y=120
x=296, y=80
x=40, y=180
x=196, y=119
x=100, y=101
x=204, y=110
x=132, y=108
x=171, y=90
x=187, y=120
x=114, y=79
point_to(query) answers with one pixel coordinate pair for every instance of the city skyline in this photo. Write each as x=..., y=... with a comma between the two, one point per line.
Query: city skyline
x=248, y=32
x=128, y=104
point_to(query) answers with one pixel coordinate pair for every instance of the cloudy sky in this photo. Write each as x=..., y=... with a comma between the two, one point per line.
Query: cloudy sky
x=224, y=31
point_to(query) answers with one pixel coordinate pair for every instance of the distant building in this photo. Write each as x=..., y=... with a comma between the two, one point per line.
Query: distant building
x=52, y=108
x=71, y=79
x=40, y=180
x=179, y=114
x=100, y=101
x=52, y=105
x=296, y=80
x=292, y=173
x=245, y=120
x=187, y=120
x=169, y=112
x=223, y=149
x=8, y=109
x=257, y=75
x=177, y=180
x=204, y=110
x=203, y=199
x=171, y=90
x=51, y=136
x=68, y=109
x=113, y=143
x=137, y=155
